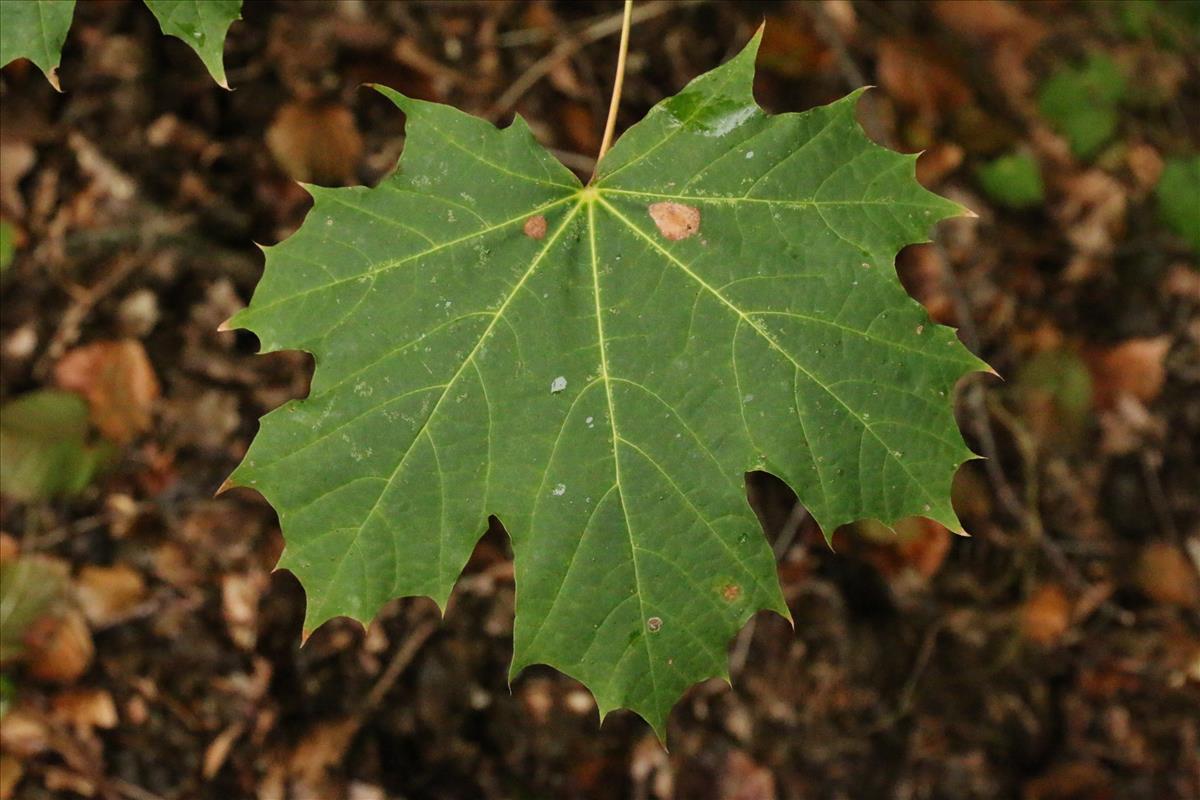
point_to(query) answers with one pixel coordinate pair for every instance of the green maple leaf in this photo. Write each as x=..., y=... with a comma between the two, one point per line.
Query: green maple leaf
x=35, y=29
x=1178, y=204
x=202, y=24
x=599, y=367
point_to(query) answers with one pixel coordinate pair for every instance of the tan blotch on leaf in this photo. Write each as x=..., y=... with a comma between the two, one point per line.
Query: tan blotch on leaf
x=535, y=227
x=675, y=221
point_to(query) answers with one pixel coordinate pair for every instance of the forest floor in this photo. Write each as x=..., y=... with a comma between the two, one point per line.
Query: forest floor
x=1054, y=654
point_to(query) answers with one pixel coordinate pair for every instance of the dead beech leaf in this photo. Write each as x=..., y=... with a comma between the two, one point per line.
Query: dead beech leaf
x=1093, y=215
x=85, y=709
x=1074, y=780
x=1135, y=367
x=937, y=162
x=323, y=747
x=743, y=779
x=218, y=749
x=61, y=779
x=1166, y=576
x=108, y=594
x=239, y=604
x=792, y=49
x=17, y=157
x=1146, y=166
x=11, y=773
x=1008, y=32
x=914, y=545
x=991, y=22
x=580, y=127
x=917, y=80
x=926, y=551
x=316, y=143
x=59, y=648
x=118, y=382
x=1046, y=615
x=25, y=732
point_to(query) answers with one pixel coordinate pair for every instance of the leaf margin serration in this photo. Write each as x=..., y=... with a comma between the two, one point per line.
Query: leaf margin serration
x=592, y=197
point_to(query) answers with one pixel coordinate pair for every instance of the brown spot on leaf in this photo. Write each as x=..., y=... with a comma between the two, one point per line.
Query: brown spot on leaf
x=675, y=220
x=654, y=624
x=535, y=227
x=731, y=592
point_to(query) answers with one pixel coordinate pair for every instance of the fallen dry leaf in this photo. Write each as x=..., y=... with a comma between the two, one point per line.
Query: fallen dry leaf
x=218, y=749
x=324, y=746
x=996, y=23
x=11, y=773
x=743, y=779
x=1092, y=214
x=59, y=779
x=926, y=551
x=937, y=162
x=85, y=709
x=239, y=604
x=59, y=648
x=24, y=733
x=1146, y=166
x=1135, y=367
x=17, y=157
x=1166, y=576
x=1046, y=615
x=791, y=48
x=1128, y=426
x=918, y=81
x=913, y=546
x=118, y=382
x=1008, y=32
x=107, y=594
x=649, y=762
x=1076, y=780
x=317, y=143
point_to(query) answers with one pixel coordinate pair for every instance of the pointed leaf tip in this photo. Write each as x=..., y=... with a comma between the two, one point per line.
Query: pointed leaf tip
x=202, y=25
x=36, y=30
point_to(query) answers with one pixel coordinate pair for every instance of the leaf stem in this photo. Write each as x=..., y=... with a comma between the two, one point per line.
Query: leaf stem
x=618, y=82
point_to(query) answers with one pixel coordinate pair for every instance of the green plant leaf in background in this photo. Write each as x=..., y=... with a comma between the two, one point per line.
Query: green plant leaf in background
x=1082, y=103
x=202, y=24
x=1178, y=194
x=599, y=367
x=8, y=244
x=44, y=447
x=29, y=587
x=35, y=29
x=1013, y=180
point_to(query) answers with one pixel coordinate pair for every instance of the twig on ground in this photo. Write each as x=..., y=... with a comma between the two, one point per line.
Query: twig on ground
x=400, y=660
x=592, y=33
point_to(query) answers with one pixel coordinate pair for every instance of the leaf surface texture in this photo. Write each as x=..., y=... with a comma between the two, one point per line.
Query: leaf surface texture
x=599, y=367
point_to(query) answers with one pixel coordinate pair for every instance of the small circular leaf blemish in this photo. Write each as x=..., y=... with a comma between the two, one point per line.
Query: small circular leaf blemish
x=535, y=227
x=731, y=592
x=558, y=384
x=654, y=624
